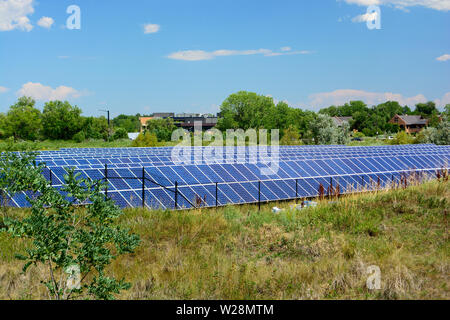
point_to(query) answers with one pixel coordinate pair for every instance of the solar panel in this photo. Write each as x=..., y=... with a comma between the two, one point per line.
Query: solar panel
x=209, y=181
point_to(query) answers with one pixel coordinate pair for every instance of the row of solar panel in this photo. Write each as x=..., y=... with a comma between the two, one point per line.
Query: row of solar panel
x=165, y=160
x=237, y=180
x=282, y=147
x=246, y=153
x=243, y=192
x=282, y=150
x=202, y=174
x=135, y=163
x=161, y=161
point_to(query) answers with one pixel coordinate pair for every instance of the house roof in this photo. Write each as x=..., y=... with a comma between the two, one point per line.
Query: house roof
x=339, y=121
x=409, y=120
x=144, y=120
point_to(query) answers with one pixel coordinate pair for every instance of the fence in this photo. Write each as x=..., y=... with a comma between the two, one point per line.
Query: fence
x=145, y=192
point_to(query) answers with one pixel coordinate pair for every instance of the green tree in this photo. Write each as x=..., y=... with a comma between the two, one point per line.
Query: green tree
x=426, y=109
x=95, y=128
x=447, y=111
x=60, y=120
x=129, y=123
x=71, y=243
x=162, y=128
x=3, y=129
x=245, y=110
x=325, y=131
x=23, y=120
x=439, y=135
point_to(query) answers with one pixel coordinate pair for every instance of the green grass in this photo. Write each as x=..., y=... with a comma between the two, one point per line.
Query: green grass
x=368, y=141
x=123, y=143
x=58, y=144
x=241, y=253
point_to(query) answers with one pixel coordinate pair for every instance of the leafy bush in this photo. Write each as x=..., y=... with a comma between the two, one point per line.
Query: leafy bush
x=162, y=128
x=325, y=131
x=95, y=128
x=120, y=133
x=79, y=137
x=291, y=137
x=439, y=135
x=402, y=138
x=74, y=244
x=146, y=139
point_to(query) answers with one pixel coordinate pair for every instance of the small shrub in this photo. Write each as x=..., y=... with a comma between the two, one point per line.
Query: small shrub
x=120, y=133
x=74, y=245
x=79, y=137
x=402, y=138
x=146, y=139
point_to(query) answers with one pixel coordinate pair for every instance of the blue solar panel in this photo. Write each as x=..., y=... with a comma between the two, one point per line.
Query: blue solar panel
x=301, y=168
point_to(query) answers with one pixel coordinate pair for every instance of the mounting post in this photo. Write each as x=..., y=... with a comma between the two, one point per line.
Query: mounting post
x=143, y=187
x=176, y=195
x=217, y=187
x=259, y=195
x=106, y=179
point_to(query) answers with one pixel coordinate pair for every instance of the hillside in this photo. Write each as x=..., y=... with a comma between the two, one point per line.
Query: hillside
x=316, y=253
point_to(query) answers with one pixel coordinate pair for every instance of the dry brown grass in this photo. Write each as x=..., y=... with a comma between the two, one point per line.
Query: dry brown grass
x=317, y=253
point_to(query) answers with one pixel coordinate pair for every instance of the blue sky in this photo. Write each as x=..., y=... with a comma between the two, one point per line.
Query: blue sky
x=188, y=56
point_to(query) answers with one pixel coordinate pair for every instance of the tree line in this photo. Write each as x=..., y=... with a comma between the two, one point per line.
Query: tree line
x=242, y=110
x=250, y=110
x=59, y=120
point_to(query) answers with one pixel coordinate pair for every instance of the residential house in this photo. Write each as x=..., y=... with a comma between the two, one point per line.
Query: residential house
x=411, y=124
x=339, y=121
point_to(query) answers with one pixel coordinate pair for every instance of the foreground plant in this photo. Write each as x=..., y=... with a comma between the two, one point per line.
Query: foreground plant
x=75, y=244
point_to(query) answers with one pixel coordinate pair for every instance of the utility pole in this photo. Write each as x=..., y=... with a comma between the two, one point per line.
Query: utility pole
x=109, y=126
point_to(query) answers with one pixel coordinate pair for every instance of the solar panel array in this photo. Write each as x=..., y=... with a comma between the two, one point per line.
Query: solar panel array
x=210, y=176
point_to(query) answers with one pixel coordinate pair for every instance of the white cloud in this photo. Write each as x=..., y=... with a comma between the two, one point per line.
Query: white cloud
x=45, y=93
x=3, y=89
x=443, y=101
x=286, y=49
x=342, y=96
x=442, y=5
x=46, y=22
x=14, y=15
x=444, y=57
x=198, y=55
x=151, y=28
x=365, y=17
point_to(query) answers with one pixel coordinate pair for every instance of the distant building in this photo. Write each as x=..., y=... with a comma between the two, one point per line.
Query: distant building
x=187, y=121
x=411, y=124
x=143, y=121
x=183, y=120
x=339, y=121
x=163, y=115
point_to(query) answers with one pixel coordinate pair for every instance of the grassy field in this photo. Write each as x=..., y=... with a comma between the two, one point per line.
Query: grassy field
x=58, y=144
x=315, y=253
x=6, y=145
